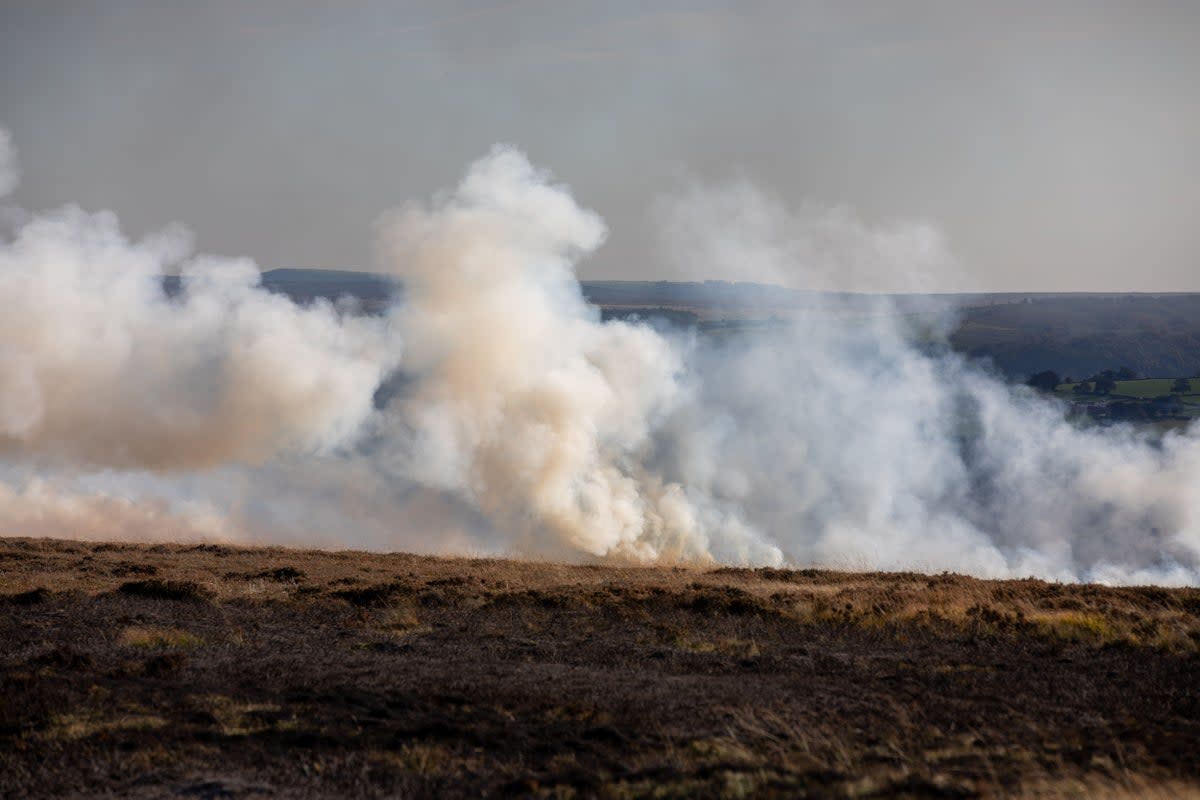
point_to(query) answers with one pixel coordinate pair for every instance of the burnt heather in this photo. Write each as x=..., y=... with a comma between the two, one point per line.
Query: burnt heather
x=217, y=672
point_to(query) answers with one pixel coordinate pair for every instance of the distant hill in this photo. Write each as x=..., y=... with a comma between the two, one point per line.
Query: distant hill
x=1156, y=335
x=305, y=285
x=372, y=290
x=1080, y=335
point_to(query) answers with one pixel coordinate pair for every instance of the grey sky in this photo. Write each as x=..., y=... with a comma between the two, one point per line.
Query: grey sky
x=1055, y=144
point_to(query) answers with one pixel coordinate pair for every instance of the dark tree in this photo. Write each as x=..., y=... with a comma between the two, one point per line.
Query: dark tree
x=1105, y=382
x=1127, y=411
x=1046, y=381
x=1166, y=405
x=1126, y=374
x=1182, y=386
x=1082, y=388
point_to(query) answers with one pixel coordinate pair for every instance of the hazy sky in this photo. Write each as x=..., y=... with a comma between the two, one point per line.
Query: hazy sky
x=1056, y=145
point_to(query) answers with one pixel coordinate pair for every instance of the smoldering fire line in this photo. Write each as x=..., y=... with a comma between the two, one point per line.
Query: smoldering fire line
x=524, y=424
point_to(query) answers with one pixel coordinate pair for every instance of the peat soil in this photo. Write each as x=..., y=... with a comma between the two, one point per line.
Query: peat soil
x=210, y=672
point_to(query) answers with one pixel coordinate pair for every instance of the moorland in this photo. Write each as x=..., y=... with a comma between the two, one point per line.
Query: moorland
x=213, y=671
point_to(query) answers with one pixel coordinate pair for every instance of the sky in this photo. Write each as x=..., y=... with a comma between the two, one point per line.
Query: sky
x=1050, y=146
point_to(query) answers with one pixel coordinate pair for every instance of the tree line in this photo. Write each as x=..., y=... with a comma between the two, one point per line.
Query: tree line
x=1102, y=383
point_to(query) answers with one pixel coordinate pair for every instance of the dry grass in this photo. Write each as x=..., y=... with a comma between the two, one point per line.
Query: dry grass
x=144, y=671
x=80, y=725
x=155, y=637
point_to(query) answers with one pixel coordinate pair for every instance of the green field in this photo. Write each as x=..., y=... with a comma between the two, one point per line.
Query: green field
x=1146, y=389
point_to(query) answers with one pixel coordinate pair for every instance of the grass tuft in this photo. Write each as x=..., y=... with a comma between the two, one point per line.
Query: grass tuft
x=155, y=637
x=377, y=596
x=167, y=590
x=29, y=598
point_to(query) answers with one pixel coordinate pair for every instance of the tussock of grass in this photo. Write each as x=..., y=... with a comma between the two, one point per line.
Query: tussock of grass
x=1124, y=787
x=242, y=718
x=156, y=637
x=402, y=619
x=79, y=725
x=285, y=574
x=420, y=759
x=167, y=590
x=29, y=598
x=1076, y=626
x=376, y=596
x=723, y=646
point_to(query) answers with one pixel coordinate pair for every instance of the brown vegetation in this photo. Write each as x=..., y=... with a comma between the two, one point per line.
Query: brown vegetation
x=208, y=671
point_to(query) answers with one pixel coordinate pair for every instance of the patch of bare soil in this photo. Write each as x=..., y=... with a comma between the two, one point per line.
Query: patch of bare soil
x=216, y=672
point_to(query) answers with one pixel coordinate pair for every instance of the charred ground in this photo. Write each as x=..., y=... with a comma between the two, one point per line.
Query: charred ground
x=210, y=671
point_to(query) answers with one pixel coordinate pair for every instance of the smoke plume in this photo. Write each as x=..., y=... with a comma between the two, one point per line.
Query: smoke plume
x=99, y=368
x=491, y=410
x=522, y=400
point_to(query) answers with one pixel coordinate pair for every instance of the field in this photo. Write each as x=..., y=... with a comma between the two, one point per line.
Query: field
x=1145, y=389
x=1143, y=392
x=215, y=672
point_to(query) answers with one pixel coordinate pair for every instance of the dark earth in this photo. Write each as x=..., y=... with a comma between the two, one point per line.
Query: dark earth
x=207, y=671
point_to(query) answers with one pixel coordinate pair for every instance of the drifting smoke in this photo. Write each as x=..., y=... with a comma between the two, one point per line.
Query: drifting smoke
x=514, y=420
x=739, y=233
x=99, y=368
x=9, y=175
x=40, y=509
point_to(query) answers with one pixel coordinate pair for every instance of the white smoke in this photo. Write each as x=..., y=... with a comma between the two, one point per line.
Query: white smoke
x=99, y=368
x=9, y=174
x=523, y=400
x=517, y=422
x=42, y=509
x=737, y=232
x=851, y=447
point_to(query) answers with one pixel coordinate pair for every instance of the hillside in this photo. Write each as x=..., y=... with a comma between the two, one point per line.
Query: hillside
x=217, y=672
x=1080, y=335
x=1156, y=335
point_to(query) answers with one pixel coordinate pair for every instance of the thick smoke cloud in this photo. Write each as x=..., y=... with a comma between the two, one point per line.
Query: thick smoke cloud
x=521, y=398
x=491, y=410
x=853, y=448
x=99, y=368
